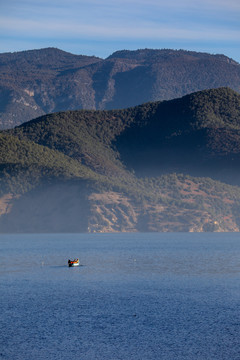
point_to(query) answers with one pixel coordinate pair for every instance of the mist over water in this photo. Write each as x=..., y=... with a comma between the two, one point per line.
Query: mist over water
x=136, y=296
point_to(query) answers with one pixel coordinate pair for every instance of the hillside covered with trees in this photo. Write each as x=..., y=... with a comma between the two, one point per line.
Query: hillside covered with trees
x=37, y=82
x=161, y=166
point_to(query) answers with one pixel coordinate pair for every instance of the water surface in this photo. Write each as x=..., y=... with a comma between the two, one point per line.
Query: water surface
x=136, y=296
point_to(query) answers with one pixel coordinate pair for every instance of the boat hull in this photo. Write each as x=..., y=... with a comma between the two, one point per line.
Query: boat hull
x=73, y=265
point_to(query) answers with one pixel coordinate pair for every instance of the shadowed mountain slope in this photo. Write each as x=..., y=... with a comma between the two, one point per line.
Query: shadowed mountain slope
x=198, y=134
x=84, y=160
x=37, y=82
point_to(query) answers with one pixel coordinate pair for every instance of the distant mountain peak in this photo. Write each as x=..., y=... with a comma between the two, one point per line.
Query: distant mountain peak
x=142, y=54
x=43, y=52
x=37, y=82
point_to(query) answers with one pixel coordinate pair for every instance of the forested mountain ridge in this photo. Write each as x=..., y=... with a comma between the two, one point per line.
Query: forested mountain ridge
x=197, y=134
x=36, y=82
x=161, y=166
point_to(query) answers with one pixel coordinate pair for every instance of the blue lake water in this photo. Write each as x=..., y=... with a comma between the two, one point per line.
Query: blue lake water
x=136, y=296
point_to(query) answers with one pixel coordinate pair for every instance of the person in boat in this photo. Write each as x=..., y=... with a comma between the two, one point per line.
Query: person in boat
x=75, y=260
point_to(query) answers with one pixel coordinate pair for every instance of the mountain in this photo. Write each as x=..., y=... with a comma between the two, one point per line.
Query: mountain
x=37, y=82
x=161, y=166
x=32, y=83
x=198, y=134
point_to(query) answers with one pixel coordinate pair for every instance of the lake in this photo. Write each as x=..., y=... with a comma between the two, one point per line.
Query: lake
x=165, y=296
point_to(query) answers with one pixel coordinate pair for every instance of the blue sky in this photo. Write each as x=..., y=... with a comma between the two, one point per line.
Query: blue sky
x=100, y=27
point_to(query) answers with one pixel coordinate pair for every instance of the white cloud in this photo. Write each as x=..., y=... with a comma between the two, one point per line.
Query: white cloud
x=121, y=12
x=146, y=30
x=75, y=6
x=111, y=21
x=217, y=4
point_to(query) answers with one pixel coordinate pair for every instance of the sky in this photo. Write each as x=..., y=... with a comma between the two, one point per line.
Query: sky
x=100, y=27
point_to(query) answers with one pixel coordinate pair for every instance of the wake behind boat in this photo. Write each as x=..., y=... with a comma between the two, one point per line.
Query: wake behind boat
x=74, y=262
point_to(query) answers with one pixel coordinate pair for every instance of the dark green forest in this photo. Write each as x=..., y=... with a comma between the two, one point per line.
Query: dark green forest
x=161, y=166
x=38, y=82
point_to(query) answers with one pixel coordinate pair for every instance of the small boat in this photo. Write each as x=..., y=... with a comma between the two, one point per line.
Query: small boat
x=74, y=262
